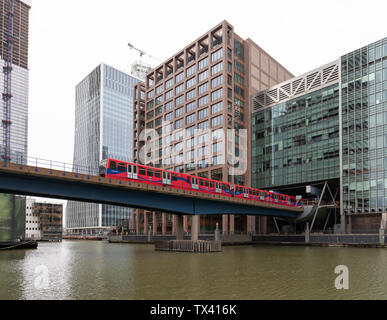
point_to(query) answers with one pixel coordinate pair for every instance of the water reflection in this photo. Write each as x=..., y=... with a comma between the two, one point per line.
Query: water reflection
x=99, y=270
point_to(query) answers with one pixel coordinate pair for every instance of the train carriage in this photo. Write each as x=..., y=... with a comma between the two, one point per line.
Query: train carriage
x=115, y=169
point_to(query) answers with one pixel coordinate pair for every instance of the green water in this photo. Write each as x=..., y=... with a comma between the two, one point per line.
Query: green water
x=99, y=270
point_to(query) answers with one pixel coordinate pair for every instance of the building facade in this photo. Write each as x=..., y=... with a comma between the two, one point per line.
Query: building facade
x=328, y=125
x=103, y=129
x=51, y=220
x=19, y=100
x=33, y=230
x=198, y=105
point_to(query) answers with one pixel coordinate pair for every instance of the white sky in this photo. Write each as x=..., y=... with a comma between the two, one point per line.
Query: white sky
x=68, y=39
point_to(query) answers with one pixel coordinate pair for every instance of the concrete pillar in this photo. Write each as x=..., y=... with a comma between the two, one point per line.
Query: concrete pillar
x=138, y=223
x=164, y=223
x=382, y=230
x=262, y=225
x=179, y=227
x=154, y=223
x=217, y=233
x=253, y=220
x=225, y=224
x=133, y=220
x=248, y=225
x=146, y=223
x=185, y=223
x=195, y=228
x=232, y=224
x=174, y=222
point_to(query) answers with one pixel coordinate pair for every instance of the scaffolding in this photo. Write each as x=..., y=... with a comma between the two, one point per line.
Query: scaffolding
x=7, y=94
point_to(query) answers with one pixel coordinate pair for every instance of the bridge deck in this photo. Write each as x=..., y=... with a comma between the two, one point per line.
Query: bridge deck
x=29, y=174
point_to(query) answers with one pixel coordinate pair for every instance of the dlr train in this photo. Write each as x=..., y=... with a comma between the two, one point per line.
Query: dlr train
x=115, y=169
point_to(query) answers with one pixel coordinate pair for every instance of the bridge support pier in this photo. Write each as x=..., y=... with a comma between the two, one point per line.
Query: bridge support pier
x=195, y=227
x=225, y=224
x=179, y=227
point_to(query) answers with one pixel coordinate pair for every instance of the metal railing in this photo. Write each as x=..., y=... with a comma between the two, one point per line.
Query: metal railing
x=52, y=165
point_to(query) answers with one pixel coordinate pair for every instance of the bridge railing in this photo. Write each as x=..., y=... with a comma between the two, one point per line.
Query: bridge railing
x=52, y=165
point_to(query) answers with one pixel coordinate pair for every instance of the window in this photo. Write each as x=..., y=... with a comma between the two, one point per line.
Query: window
x=179, y=89
x=203, y=76
x=169, y=116
x=149, y=115
x=217, y=134
x=239, y=67
x=179, y=123
x=217, y=160
x=191, y=94
x=191, y=70
x=203, y=125
x=150, y=105
x=169, y=106
x=239, y=49
x=191, y=83
x=179, y=100
x=168, y=84
x=168, y=94
x=202, y=101
x=203, y=63
x=158, y=121
x=216, y=55
x=159, y=100
x=239, y=90
x=190, y=143
x=179, y=77
x=203, y=113
x=179, y=112
x=203, y=88
x=216, y=94
x=216, y=82
x=239, y=79
x=191, y=106
x=191, y=118
x=203, y=151
x=217, y=68
x=203, y=138
x=217, y=107
x=190, y=131
x=216, y=121
x=159, y=89
x=150, y=94
x=217, y=147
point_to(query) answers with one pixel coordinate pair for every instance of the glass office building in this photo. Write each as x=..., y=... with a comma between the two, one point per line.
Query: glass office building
x=103, y=129
x=307, y=130
x=364, y=113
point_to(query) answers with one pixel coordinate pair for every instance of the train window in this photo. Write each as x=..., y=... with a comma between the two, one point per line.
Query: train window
x=212, y=184
x=157, y=174
x=250, y=192
x=201, y=182
x=174, y=177
x=207, y=183
x=113, y=165
x=149, y=172
x=121, y=167
x=142, y=171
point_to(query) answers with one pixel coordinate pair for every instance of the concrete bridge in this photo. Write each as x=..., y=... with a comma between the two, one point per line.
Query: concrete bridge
x=61, y=184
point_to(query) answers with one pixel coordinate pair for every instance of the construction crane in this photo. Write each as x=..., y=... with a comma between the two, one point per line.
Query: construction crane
x=7, y=94
x=140, y=69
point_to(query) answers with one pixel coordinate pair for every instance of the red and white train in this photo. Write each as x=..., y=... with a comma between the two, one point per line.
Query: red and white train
x=116, y=169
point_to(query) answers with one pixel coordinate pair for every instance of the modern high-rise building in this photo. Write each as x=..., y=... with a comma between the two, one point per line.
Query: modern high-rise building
x=329, y=125
x=103, y=129
x=19, y=95
x=191, y=101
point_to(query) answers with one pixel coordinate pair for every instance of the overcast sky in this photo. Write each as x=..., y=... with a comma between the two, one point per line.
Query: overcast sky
x=68, y=39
